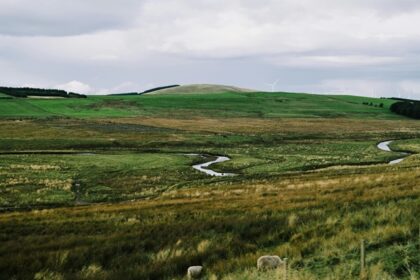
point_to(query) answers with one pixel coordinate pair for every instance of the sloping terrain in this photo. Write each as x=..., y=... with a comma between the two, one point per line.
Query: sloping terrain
x=104, y=188
x=200, y=88
x=228, y=104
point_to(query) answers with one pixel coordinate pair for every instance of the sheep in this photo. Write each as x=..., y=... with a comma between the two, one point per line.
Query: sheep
x=194, y=272
x=269, y=262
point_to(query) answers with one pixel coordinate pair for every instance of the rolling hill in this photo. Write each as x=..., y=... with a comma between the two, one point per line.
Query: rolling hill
x=200, y=88
x=104, y=187
x=226, y=104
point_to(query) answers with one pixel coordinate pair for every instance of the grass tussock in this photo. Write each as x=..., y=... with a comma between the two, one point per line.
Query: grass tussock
x=161, y=238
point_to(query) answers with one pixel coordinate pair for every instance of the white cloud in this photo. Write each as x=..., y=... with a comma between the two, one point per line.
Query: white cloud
x=410, y=87
x=238, y=28
x=216, y=29
x=75, y=86
x=322, y=61
x=62, y=18
x=372, y=88
x=104, y=57
x=126, y=86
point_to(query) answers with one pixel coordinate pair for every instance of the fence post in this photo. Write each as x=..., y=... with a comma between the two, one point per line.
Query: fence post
x=285, y=268
x=362, y=259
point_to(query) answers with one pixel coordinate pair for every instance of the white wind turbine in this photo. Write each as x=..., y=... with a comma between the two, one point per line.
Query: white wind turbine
x=273, y=85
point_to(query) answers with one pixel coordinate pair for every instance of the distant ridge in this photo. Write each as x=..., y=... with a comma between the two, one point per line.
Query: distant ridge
x=124, y=93
x=24, y=92
x=198, y=88
x=160, y=88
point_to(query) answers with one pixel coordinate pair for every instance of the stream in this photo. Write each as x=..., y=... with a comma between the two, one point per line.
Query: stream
x=203, y=167
x=384, y=146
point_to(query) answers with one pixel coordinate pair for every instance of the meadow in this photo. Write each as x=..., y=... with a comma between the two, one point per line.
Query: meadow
x=102, y=188
x=287, y=105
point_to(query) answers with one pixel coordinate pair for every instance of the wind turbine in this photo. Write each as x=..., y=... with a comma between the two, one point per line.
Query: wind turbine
x=273, y=85
x=374, y=93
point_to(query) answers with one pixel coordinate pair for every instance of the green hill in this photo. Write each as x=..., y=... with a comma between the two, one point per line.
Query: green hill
x=108, y=189
x=243, y=104
x=199, y=88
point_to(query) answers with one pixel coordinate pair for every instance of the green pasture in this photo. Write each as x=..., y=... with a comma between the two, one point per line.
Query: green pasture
x=285, y=105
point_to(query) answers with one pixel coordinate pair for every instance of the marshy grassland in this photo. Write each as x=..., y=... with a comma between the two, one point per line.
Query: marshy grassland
x=101, y=188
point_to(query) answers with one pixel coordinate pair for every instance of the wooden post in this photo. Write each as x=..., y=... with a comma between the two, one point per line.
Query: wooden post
x=362, y=259
x=285, y=268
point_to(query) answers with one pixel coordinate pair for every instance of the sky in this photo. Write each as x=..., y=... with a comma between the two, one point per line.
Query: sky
x=360, y=47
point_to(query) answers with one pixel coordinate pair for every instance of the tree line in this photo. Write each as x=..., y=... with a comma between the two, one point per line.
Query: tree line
x=381, y=105
x=24, y=92
x=407, y=108
x=159, y=88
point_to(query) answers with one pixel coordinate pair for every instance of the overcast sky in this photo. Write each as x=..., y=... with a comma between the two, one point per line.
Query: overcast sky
x=363, y=47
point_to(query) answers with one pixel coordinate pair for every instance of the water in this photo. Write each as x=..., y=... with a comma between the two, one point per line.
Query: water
x=384, y=146
x=203, y=167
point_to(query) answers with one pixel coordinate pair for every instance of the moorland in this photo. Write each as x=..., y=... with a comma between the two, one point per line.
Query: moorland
x=102, y=187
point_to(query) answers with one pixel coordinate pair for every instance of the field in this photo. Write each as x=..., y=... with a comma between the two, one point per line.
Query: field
x=257, y=105
x=103, y=188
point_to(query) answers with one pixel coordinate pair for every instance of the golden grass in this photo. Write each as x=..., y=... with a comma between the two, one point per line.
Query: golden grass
x=258, y=125
x=315, y=218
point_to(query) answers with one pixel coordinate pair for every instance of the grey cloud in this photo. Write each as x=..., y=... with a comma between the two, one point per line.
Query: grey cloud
x=327, y=46
x=63, y=18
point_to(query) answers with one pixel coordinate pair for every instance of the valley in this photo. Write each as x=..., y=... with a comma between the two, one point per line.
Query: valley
x=111, y=187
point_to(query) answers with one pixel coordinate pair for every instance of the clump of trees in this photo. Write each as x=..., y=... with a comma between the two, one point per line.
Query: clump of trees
x=407, y=108
x=380, y=105
x=26, y=91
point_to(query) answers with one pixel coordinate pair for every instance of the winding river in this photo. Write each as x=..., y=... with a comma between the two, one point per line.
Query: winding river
x=203, y=167
x=384, y=146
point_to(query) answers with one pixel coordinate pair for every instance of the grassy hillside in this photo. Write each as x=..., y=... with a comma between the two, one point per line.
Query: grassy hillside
x=265, y=105
x=102, y=188
x=200, y=88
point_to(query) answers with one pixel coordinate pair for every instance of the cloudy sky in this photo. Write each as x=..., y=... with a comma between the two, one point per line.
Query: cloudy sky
x=364, y=47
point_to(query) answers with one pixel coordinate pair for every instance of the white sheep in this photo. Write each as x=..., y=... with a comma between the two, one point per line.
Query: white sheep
x=269, y=262
x=194, y=272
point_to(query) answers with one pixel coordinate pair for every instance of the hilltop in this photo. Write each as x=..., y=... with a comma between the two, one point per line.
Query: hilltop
x=199, y=88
